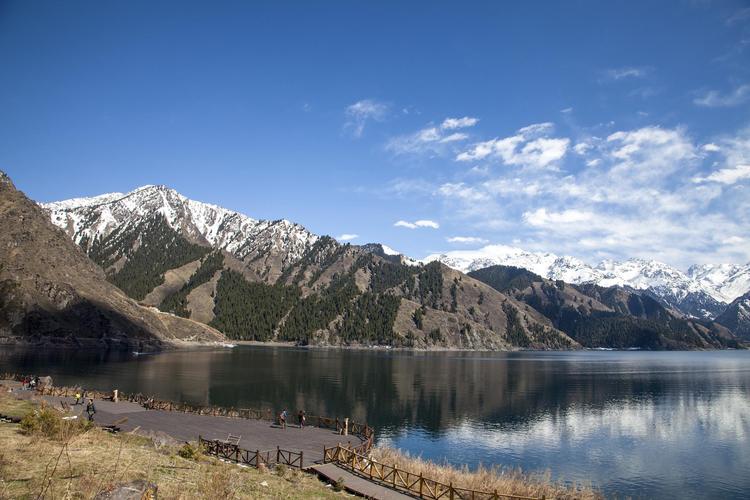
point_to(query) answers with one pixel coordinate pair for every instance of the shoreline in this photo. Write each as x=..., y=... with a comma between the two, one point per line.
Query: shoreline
x=172, y=346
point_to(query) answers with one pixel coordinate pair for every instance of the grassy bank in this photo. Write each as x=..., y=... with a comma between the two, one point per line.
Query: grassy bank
x=504, y=480
x=66, y=459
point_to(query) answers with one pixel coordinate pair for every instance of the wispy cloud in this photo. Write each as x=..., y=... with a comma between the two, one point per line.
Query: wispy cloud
x=454, y=123
x=729, y=175
x=359, y=113
x=739, y=16
x=347, y=237
x=467, y=240
x=614, y=74
x=432, y=139
x=715, y=99
x=417, y=224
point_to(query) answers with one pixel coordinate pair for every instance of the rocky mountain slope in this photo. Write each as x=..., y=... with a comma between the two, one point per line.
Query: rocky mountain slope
x=52, y=293
x=611, y=317
x=736, y=317
x=703, y=292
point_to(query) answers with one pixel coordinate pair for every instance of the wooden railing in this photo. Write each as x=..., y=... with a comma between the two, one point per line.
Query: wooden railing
x=233, y=452
x=415, y=484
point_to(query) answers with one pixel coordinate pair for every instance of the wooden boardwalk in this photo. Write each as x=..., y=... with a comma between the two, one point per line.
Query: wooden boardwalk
x=256, y=434
x=356, y=484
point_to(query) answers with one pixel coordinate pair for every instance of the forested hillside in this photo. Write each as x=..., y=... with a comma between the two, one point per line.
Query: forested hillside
x=334, y=294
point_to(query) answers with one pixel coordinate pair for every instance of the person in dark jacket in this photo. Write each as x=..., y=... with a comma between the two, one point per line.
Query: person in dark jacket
x=91, y=409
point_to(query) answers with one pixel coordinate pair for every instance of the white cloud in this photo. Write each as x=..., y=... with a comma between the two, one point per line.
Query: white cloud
x=733, y=240
x=463, y=192
x=347, y=237
x=454, y=137
x=582, y=147
x=467, y=240
x=543, y=218
x=645, y=192
x=566, y=110
x=626, y=72
x=359, y=113
x=715, y=99
x=729, y=175
x=431, y=139
x=454, y=123
x=416, y=224
x=530, y=147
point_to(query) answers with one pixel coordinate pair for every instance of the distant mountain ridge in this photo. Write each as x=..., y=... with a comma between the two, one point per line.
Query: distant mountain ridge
x=612, y=317
x=703, y=292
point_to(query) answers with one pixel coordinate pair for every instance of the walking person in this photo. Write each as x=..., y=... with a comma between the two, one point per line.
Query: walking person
x=91, y=409
x=282, y=418
x=79, y=399
x=301, y=418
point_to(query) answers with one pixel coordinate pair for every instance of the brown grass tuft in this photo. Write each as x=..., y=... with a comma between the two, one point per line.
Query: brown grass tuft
x=504, y=480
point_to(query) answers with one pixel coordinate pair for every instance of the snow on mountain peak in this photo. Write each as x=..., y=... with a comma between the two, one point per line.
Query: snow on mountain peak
x=96, y=217
x=722, y=283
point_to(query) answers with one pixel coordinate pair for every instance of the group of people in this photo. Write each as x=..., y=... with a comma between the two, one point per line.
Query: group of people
x=30, y=382
x=301, y=418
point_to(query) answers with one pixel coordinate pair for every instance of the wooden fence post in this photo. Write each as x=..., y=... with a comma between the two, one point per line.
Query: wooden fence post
x=277, y=454
x=421, y=482
x=450, y=491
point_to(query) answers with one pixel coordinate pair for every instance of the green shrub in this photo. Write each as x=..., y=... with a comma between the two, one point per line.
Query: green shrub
x=48, y=422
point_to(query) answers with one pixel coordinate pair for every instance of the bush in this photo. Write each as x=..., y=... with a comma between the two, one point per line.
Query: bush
x=190, y=452
x=48, y=422
x=339, y=485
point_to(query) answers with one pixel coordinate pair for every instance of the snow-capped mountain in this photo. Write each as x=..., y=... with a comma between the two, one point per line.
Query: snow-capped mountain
x=703, y=292
x=87, y=219
x=728, y=281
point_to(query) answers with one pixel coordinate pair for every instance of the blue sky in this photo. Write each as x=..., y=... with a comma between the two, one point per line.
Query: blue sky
x=592, y=129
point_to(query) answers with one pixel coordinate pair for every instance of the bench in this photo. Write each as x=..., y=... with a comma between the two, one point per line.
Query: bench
x=233, y=440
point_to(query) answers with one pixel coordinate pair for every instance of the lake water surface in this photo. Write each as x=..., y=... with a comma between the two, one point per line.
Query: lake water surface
x=640, y=424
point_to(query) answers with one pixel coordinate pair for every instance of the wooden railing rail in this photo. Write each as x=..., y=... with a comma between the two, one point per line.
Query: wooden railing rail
x=399, y=479
x=229, y=451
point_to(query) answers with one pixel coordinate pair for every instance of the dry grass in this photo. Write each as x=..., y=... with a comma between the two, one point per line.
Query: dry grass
x=504, y=480
x=83, y=464
x=12, y=407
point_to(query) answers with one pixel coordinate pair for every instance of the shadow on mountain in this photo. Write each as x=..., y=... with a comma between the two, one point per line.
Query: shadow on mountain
x=84, y=325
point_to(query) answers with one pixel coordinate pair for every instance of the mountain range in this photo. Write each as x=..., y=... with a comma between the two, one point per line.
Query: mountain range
x=703, y=292
x=274, y=280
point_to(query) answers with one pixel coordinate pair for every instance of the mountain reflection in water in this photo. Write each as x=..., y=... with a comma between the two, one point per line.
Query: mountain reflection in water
x=646, y=424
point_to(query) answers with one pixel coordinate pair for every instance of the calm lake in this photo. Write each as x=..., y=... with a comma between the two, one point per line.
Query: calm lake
x=640, y=424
